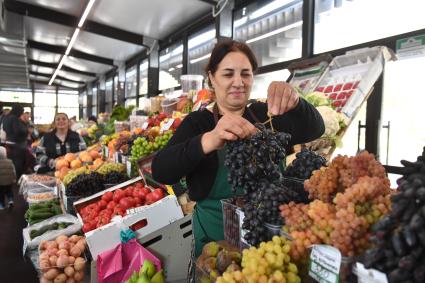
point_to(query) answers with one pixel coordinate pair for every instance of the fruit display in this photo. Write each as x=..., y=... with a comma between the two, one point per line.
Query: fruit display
x=341, y=217
x=62, y=260
x=143, y=146
x=105, y=169
x=41, y=211
x=270, y=262
x=339, y=92
x=253, y=166
x=72, y=161
x=85, y=185
x=216, y=258
x=50, y=227
x=399, y=237
x=147, y=274
x=99, y=213
x=305, y=163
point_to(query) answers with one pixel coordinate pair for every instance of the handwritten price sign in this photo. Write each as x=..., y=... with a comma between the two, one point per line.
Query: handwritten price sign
x=325, y=262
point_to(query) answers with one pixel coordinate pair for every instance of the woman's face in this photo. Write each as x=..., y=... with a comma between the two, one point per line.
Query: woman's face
x=232, y=81
x=61, y=121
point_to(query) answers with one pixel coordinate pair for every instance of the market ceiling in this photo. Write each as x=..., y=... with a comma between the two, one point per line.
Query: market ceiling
x=35, y=35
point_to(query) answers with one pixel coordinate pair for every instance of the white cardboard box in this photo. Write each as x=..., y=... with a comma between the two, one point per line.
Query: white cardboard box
x=157, y=215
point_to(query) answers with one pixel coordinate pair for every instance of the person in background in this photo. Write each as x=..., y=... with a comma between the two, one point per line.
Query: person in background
x=60, y=141
x=16, y=139
x=92, y=120
x=3, y=114
x=197, y=148
x=7, y=178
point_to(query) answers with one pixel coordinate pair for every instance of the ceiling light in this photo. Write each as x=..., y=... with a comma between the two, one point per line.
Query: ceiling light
x=241, y=21
x=202, y=38
x=86, y=13
x=193, y=61
x=179, y=66
x=277, y=31
x=171, y=69
x=62, y=61
x=269, y=8
x=72, y=41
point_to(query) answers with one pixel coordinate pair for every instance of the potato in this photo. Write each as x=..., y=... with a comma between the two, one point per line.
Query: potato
x=62, y=252
x=44, y=264
x=82, y=241
x=43, y=245
x=71, y=259
x=70, y=280
x=44, y=256
x=69, y=271
x=52, y=251
x=75, y=251
x=63, y=261
x=51, y=273
x=61, y=238
x=78, y=275
x=79, y=264
x=61, y=278
x=51, y=245
x=44, y=280
x=52, y=260
x=64, y=245
x=74, y=239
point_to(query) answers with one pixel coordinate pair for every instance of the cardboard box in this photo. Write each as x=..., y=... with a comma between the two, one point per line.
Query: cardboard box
x=157, y=215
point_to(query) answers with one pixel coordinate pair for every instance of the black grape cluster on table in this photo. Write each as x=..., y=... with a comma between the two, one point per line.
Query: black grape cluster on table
x=253, y=166
x=399, y=237
x=85, y=185
x=305, y=163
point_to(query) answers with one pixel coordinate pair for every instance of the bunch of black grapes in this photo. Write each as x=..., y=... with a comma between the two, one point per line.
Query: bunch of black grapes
x=305, y=163
x=399, y=237
x=253, y=165
x=85, y=185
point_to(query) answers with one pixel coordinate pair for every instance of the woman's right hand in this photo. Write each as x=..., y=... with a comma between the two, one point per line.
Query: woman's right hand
x=229, y=128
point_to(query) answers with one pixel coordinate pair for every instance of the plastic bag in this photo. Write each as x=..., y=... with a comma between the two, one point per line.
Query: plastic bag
x=117, y=264
x=50, y=235
x=41, y=194
x=33, y=181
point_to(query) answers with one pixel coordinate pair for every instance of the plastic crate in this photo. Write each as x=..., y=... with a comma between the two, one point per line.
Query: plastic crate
x=232, y=223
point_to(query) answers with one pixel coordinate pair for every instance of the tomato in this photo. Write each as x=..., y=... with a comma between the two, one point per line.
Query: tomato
x=139, y=185
x=118, y=210
x=138, y=201
x=118, y=195
x=102, y=204
x=87, y=227
x=107, y=212
x=111, y=205
x=145, y=190
x=158, y=193
x=150, y=198
x=92, y=207
x=103, y=220
x=129, y=191
x=126, y=203
x=107, y=196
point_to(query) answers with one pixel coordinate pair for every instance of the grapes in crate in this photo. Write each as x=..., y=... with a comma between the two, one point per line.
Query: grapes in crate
x=305, y=163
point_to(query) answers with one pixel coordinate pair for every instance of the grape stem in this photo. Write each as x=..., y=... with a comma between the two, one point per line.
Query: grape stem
x=269, y=121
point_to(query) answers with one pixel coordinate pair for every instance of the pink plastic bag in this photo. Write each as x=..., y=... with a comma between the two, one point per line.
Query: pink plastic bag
x=117, y=265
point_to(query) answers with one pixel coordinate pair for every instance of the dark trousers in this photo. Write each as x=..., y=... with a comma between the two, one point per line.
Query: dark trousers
x=6, y=191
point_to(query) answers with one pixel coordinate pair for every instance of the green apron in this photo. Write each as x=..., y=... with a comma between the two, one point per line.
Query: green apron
x=207, y=222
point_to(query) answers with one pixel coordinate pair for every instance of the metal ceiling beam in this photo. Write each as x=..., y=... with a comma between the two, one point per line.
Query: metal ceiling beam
x=211, y=2
x=47, y=83
x=42, y=13
x=58, y=77
x=64, y=68
x=58, y=49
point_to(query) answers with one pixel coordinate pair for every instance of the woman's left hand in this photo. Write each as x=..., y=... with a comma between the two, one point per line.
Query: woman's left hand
x=281, y=98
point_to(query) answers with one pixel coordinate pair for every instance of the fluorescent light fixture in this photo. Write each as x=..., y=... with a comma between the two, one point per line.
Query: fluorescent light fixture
x=193, y=61
x=3, y=39
x=269, y=8
x=62, y=61
x=241, y=21
x=179, y=66
x=277, y=31
x=171, y=69
x=86, y=13
x=72, y=41
x=202, y=38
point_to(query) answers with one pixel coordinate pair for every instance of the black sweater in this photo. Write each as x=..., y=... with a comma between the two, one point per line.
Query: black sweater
x=16, y=130
x=183, y=155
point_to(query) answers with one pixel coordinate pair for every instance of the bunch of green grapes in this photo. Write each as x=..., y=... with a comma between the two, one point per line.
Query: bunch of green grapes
x=111, y=167
x=74, y=173
x=162, y=140
x=268, y=263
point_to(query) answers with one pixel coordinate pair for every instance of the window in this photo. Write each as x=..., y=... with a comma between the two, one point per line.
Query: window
x=262, y=82
x=200, y=46
x=273, y=29
x=130, y=101
x=131, y=82
x=68, y=103
x=108, y=95
x=115, y=88
x=94, y=101
x=344, y=23
x=170, y=66
x=44, y=106
x=24, y=96
x=143, y=82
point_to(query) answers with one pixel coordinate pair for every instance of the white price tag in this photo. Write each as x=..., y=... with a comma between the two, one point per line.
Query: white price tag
x=106, y=152
x=242, y=232
x=145, y=125
x=325, y=262
x=128, y=166
x=167, y=125
x=369, y=275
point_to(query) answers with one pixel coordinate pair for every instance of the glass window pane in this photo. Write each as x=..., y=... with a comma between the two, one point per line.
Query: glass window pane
x=130, y=82
x=94, y=110
x=143, y=83
x=44, y=98
x=200, y=46
x=68, y=103
x=344, y=23
x=130, y=101
x=16, y=96
x=273, y=29
x=170, y=66
x=94, y=97
x=115, y=88
x=43, y=115
x=108, y=95
x=262, y=82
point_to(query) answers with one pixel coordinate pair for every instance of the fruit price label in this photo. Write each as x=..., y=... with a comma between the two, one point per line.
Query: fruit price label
x=167, y=125
x=128, y=167
x=242, y=232
x=145, y=125
x=325, y=262
x=369, y=275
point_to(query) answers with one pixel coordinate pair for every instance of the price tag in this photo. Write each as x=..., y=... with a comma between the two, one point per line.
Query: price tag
x=242, y=232
x=128, y=166
x=167, y=125
x=325, y=262
x=369, y=275
x=145, y=125
x=106, y=152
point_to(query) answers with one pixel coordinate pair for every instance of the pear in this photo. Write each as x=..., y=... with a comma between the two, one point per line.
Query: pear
x=143, y=279
x=148, y=268
x=158, y=277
